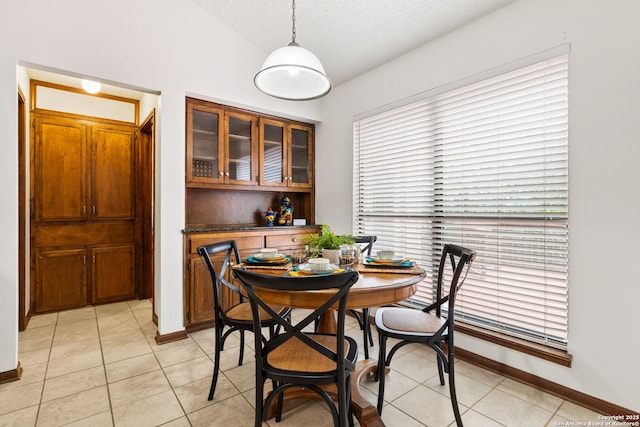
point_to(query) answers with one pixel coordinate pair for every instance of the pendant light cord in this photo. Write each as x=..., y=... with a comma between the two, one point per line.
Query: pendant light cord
x=293, y=26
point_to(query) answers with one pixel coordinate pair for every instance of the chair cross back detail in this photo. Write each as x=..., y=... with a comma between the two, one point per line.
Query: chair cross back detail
x=412, y=326
x=276, y=358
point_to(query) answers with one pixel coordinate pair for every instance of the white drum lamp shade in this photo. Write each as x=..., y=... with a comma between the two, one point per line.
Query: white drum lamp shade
x=294, y=73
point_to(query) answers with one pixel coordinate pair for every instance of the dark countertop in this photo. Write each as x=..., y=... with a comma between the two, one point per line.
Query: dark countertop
x=212, y=228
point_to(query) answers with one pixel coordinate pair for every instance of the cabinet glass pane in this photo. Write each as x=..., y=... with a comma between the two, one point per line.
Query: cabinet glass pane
x=273, y=149
x=299, y=156
x=205, y=144
x=239, y=149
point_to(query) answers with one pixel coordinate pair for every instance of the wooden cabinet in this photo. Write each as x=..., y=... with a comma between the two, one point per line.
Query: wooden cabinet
x=84, y=203
x=198, y=287
x=61, y=279
x=286, y=153
x=222, y=145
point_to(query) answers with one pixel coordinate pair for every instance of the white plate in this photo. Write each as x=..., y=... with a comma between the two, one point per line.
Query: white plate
x=268, y=258
x=396, y=260
x=304, y=268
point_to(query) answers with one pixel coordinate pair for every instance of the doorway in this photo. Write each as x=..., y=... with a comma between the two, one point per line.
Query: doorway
x=143, y=234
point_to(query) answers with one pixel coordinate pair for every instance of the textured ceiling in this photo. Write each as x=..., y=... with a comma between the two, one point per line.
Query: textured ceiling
x=349, y=36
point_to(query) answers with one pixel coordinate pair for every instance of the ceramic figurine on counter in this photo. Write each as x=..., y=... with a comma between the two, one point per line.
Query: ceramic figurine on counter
x=285, y=213
x=270, y=216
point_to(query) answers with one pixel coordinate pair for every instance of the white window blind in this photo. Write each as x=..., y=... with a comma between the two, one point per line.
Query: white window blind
x=484, y=166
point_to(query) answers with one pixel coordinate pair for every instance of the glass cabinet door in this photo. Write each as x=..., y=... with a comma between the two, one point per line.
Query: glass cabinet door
x=301, y=155
x=204, y=144
x=272, y=153
x=241, y=134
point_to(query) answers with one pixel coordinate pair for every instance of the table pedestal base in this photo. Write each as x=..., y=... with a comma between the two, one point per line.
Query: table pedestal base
x=363, y=410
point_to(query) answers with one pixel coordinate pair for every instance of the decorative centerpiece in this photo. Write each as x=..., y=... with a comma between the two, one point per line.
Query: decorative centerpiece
x=285, y=213
x=327, y=244
x=269, y=217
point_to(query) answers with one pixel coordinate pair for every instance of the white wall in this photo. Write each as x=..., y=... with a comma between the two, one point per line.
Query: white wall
x=172, y=47
x=604, y=108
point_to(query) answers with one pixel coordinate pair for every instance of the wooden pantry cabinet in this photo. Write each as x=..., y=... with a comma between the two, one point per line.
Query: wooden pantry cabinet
x=83, y=240
x=198, y=289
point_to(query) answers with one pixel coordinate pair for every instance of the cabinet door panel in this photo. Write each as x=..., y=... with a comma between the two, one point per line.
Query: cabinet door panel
x=112, y=185
x=272, y=153
x=301, y=157
x=241, y=149
x=205, y=149
x=60, y=170
x=61, y=279
x=201, y=293
x=112, y=273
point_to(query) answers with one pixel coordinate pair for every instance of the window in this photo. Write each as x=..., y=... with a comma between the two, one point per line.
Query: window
x=485, y=166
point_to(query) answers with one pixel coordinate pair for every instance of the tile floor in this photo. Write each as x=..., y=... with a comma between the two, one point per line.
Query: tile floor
x=100, y=366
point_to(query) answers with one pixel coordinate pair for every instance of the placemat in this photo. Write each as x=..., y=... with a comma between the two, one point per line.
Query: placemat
x=415, y=269
x=250, y=266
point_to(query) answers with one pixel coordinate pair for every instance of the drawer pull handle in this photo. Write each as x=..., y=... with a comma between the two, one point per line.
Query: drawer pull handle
x=294, y=240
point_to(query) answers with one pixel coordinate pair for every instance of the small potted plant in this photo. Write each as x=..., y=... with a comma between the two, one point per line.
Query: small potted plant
x=327, y=244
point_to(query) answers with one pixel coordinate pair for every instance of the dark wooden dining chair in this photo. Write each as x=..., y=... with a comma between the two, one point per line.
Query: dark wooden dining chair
x=294, y=358
x=426, y=326
x=363, y=316
x=237, y=316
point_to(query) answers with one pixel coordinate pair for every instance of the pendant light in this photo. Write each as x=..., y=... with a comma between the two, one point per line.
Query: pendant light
x=292, y=72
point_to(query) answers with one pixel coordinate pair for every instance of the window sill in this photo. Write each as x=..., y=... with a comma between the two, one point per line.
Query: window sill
x=538, y=350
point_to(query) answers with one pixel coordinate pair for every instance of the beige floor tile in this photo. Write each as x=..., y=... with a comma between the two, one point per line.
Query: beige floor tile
x=474, y=419
x=395, y=385
x=17, y=398
x=414, y=366
x=490, y=378
x=137, y=388
x=180, y=422
x=74, y=362
x=242, y=377
x=313, y=413
x=151, y=411
x=576, y=413
x=124, y=345
x=234, y=411
x=73, y=408
x=189, y=371
x=530, y=394
x=71, y=349
x=32, y=333
x=21, y=418
x=187, y=351
x=36, y=343
x=75, y=331
x=393, y=417
x=73, y=383
x=77, y=316
x=34, y=357
x=429, y=407
x=468, y=390
x=131, y=367
x=103, y=419
x=512, y=411
x=30, y=374
x=193, y=396
x=42, y=320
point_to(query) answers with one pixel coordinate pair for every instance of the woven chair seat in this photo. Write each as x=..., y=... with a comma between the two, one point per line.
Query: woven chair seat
x=409, y=320
x=294, y=355
x=242, y=313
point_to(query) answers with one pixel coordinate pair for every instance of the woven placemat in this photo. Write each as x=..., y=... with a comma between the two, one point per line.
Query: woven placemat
x=414, y=269
x=249, y=266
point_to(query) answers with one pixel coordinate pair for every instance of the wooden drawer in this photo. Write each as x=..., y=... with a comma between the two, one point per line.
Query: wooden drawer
x=244, y=242
x=292, y=240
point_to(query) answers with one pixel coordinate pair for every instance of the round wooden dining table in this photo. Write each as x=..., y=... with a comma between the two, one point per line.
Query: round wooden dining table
x=375, y=288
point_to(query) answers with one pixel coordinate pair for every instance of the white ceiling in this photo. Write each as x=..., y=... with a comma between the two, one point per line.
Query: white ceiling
x=348, y=36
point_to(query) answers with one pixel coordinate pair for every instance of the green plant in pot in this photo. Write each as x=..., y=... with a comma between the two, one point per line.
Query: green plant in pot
x=326, y=241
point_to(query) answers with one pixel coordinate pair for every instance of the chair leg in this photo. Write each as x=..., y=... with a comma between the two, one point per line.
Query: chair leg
x=452, y=392
x=241, y=357
x=380, y=372
x=216, y=362
x=440, y=370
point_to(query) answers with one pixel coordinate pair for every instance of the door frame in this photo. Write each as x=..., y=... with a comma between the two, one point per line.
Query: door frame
x=23, y=315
